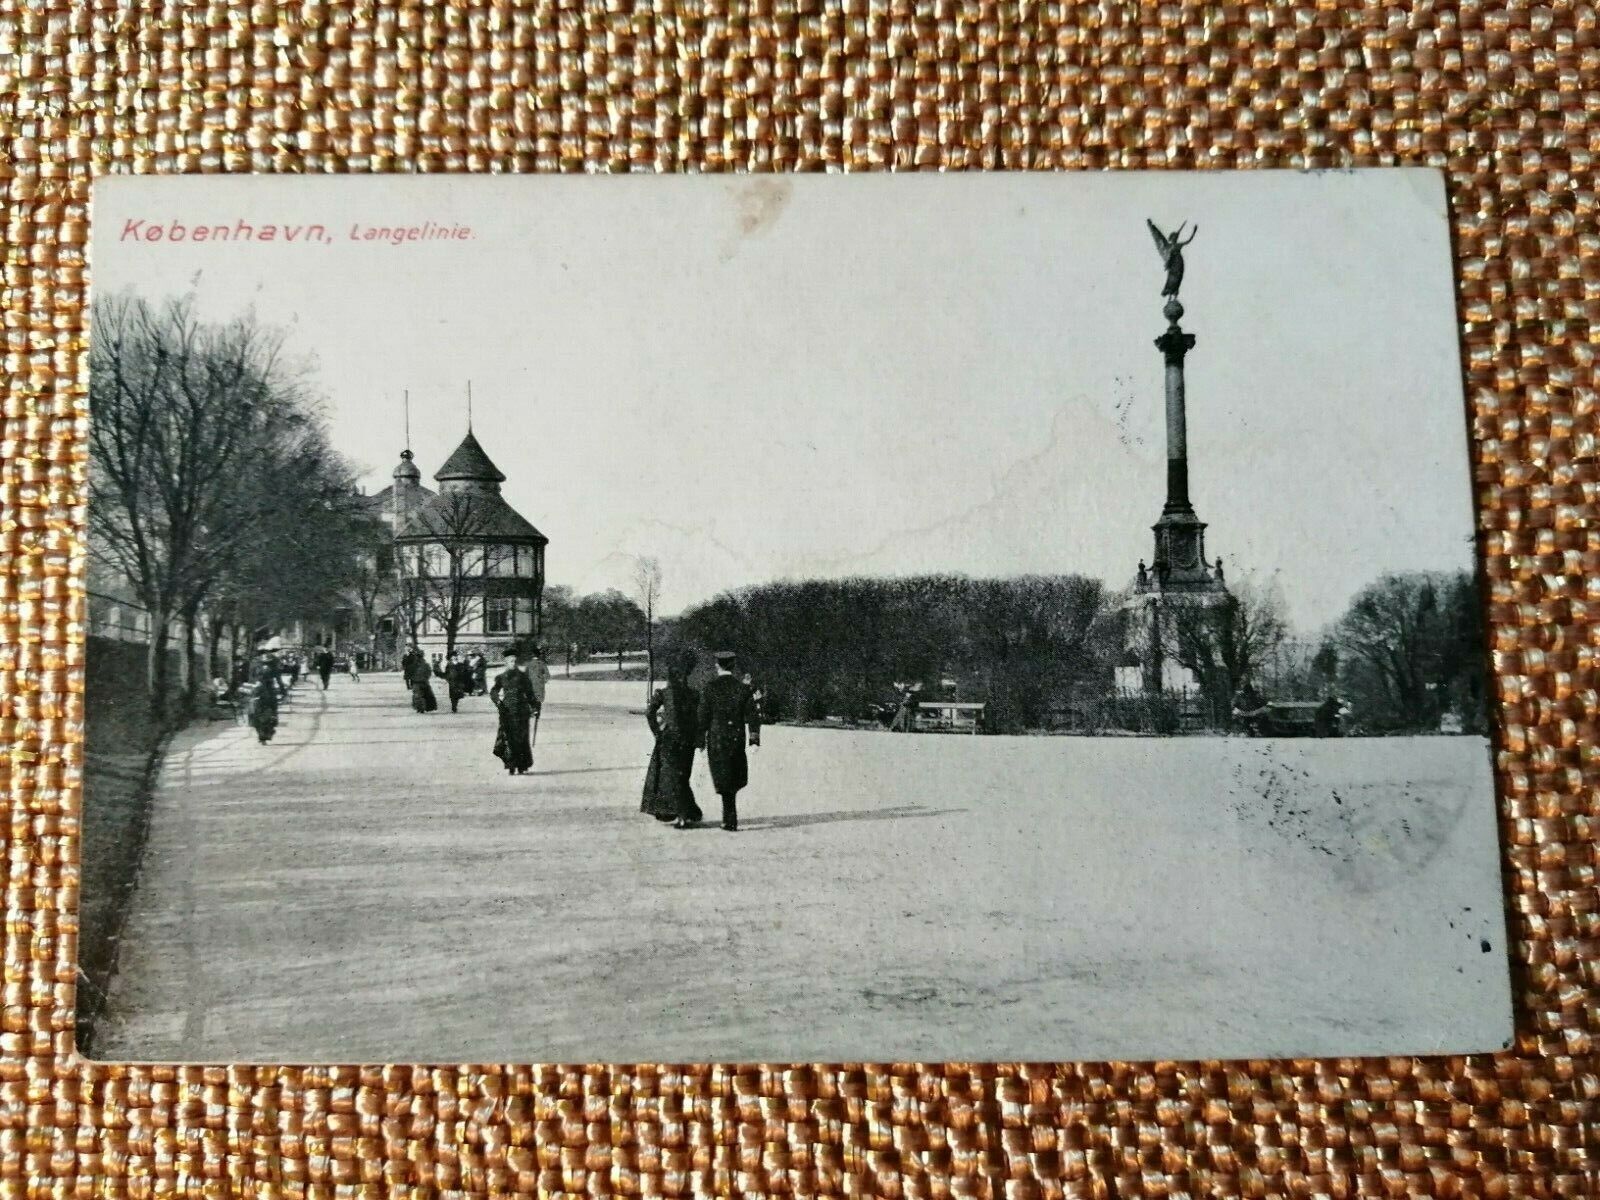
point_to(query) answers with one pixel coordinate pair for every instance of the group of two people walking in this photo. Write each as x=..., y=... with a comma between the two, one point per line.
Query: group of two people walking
x=723, y=720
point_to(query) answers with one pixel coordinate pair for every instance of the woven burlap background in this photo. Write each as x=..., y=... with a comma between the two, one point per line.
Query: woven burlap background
x=1505, y=97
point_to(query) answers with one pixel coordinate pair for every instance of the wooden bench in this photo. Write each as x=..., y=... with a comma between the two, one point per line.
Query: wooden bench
x=949, y=716
x=227, y=704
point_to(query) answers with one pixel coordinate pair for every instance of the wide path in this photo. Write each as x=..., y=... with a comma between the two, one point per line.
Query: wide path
x=372, y=887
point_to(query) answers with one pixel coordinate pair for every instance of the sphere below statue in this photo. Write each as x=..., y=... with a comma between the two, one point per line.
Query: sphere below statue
x=1173, y=310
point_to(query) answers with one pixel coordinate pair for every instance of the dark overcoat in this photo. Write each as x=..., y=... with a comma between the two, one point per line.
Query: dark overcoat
x=512, y=694
x=729, y=721
x=674, y=715
x=458, y=677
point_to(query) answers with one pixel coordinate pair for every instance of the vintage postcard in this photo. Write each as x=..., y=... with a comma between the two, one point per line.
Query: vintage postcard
x=780, y=619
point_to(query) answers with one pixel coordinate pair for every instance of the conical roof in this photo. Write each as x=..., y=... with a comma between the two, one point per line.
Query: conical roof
x=469, y=462
x=471, y=516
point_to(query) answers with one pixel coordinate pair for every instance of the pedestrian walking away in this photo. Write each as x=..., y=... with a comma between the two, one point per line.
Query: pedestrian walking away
x=673, y=716
x=480, y=673
x=513, y=696
x=419, y=677
x=457, y=676
x=324, y=661
x=728, y=723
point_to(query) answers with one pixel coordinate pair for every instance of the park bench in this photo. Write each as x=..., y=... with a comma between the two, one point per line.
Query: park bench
x=949, y=716
x=225, y=702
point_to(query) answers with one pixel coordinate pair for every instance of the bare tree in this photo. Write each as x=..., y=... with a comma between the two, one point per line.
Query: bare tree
x=183, y=410
x=1411, y=648
x=647, y=590
x=443, y=578
x=1226, y=644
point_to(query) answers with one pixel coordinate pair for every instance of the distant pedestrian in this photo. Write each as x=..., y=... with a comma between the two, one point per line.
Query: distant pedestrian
x=420, y=681
x=480, y=673
x=352, y=668
x=728, y=723
x=324, y=663
x=262, y=711
x=673, y=715
x=905, y=713
x=539, y=676
x=457, y=678
x=513, y=696
x=757, y=697
x=408, y=661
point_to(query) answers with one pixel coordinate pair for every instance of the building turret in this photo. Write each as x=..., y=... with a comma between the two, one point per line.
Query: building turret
x=469, y=470
x=407, y=490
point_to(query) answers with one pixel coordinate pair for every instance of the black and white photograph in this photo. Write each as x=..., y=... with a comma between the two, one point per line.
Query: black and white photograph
x=1019, y=617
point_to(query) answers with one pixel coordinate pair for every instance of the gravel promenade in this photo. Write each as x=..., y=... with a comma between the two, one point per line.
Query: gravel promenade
x=372, y=887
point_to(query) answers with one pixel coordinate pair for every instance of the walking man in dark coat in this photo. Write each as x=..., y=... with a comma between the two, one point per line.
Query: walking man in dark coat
x=457, y=676
x=324, y=662
x=728, y=722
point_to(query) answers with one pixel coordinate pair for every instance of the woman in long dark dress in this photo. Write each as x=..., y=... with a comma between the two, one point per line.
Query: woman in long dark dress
x=512, y=694
x=420, y=675
x=672, y=714
x=263, y=709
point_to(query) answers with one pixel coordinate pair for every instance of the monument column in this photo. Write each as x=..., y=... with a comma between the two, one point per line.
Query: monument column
x=1174, y=344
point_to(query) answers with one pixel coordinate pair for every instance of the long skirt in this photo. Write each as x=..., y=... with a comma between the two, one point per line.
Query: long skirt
x=263, y=717
x=511, y=745
x=667, y=792
x=422, y=697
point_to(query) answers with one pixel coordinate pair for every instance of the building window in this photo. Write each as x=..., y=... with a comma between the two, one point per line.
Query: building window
x=383, y=561
x=497, y=614
x=524, y=614
x=502, y=560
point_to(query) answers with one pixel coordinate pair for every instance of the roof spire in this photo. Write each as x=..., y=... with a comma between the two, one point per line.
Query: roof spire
x=469, y=406
x=407, y=402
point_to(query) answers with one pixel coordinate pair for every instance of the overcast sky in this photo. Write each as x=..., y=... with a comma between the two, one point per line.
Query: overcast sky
x=756, y=378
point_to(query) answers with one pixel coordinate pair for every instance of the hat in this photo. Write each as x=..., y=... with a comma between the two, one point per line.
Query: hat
x=724, y=657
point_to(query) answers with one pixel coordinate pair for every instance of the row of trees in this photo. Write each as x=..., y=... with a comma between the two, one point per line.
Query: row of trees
x=601, y=621
x=831, y=647
x=1407, y=652
x=213, y=489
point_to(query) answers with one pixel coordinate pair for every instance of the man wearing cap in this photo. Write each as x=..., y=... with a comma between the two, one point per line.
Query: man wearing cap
x=728, y=721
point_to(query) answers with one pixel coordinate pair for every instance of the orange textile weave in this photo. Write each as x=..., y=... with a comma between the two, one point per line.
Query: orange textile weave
x=1505, y=98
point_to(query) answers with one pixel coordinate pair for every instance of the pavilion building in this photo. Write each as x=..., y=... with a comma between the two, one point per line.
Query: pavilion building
x=470, y=568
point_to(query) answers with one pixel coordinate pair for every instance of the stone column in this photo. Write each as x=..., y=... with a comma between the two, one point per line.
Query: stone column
x=1174, y=344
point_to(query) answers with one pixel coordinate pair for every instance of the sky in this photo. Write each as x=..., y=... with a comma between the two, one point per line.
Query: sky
x=752, y=378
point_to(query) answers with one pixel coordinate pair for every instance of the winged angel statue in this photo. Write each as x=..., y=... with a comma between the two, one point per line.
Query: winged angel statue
x=1171, y=250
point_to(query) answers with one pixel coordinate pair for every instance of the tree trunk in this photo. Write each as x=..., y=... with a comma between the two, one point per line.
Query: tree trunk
x=187, y=661
x=158, y=680
x=650, y=656
x=213, y=643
